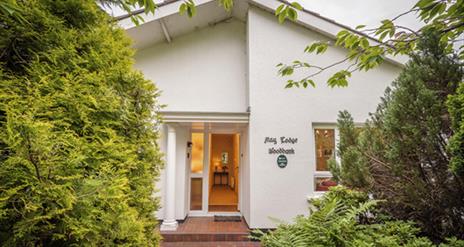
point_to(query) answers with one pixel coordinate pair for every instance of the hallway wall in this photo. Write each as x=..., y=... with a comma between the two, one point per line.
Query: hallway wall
x=221, y=143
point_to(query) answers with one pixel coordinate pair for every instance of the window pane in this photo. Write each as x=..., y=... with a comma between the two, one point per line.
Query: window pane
x=196, y=165
x=196, y=193
x=323, y=184
x=325, y=147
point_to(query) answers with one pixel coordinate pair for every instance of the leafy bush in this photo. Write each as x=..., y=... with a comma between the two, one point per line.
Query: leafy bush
x=344, y=217
x=78, y=153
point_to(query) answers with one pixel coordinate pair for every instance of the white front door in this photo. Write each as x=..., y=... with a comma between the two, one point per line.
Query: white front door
x=198, y=173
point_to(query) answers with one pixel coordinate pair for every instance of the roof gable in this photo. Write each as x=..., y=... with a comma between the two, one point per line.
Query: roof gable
x=167, y=23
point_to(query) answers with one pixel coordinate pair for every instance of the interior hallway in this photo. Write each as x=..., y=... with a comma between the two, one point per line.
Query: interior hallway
x=224, y=160
x=223, y=198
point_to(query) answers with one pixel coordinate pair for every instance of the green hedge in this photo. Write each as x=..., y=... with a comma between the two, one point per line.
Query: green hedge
x=78, y=153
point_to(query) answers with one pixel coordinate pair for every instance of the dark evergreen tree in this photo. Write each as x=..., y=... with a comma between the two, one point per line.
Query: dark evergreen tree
x=78, y=153
x=456, y=145
x=401, y=156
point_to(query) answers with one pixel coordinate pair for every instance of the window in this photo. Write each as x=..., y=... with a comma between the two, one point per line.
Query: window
x=325, y=147
x=196, y=194
x=196, y=165
x=324, y=140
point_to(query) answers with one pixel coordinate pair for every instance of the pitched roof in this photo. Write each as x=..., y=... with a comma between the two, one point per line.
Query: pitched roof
x=213, y=13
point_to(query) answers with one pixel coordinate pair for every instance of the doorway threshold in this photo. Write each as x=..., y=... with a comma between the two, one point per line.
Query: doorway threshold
x=212, y=214
x=225, y=213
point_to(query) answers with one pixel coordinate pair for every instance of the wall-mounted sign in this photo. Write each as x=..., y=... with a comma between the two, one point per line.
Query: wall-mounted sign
x=281, y=151
x=282, y=161
x=283, y=140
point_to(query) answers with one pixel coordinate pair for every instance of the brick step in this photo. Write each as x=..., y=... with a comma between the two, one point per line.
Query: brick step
x=205, y=237
x=211, y=244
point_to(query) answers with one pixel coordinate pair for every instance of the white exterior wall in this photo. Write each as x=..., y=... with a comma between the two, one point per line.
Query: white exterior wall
x=200, y=71
x=203, y=71
x=230, y=66
x=275, y=111
x=244, y=181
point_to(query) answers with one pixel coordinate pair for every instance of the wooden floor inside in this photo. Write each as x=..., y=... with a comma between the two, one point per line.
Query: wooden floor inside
x=222, y=199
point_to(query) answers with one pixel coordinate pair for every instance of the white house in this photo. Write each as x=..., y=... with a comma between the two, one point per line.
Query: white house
x=237, y=142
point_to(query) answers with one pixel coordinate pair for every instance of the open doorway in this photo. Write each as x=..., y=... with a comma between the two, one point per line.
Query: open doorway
x=224, y=173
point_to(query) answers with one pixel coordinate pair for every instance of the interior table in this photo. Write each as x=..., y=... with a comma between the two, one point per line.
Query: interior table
x=221, y=175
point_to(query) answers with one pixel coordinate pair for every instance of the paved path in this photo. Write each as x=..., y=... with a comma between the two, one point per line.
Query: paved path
x=211, y=244
x=205, y=232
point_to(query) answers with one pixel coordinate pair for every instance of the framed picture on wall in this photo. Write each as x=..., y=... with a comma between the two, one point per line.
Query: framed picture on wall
x=224, y=158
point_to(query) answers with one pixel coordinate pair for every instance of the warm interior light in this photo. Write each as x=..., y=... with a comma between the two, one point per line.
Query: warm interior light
x=197, y=153
x=325, y=147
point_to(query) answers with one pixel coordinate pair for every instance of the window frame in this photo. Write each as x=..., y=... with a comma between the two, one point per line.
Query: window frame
x=323, y=174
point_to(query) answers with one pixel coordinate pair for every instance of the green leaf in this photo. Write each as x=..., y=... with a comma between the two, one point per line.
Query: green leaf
x=364, y=43
x=279, y=9
x=282, y=17
x=423, y=3
x=383, y=35
x=310, y=82
x=292, y=15
x=321, y=48
x=289, y=84
x=135, y=20
x=189, y=7
x=312, y=47
x=227, y=4
x=341, y=37
x=350, y=40
x=287, y=70
x=149, y=6
x=183, y=8
x=339, y=79
x=296, y=5
x=191, y=12
x=9, y=8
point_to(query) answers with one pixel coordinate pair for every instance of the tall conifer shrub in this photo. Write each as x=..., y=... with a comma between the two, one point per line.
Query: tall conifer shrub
x=403, y=154
x=456, y=144
x=78, y=153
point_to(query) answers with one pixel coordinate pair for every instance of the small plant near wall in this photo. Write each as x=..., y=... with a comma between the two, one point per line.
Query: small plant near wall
x=344, y=217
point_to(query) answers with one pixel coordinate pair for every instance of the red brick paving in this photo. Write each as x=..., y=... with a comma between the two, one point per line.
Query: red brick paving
x=211, y=244
x=208, y=225
x=204, y=231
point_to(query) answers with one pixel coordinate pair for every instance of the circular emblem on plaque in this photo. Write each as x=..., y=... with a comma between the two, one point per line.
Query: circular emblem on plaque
x=282, y=161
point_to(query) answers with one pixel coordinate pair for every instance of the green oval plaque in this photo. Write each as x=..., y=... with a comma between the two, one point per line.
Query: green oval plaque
x=282, y=161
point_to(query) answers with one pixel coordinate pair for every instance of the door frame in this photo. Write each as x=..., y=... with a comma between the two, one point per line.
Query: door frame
x=206, y=174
